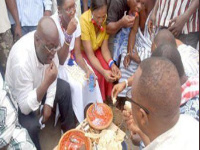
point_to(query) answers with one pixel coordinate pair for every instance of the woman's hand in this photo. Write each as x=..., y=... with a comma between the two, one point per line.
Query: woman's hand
x=116, y=72
x=127, y=61
x=88, y=74
x=108, y=75
x=135, y=57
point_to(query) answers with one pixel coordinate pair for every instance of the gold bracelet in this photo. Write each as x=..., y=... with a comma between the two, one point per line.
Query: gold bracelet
x=68, y=44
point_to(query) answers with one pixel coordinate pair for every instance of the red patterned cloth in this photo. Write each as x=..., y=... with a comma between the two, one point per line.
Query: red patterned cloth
x=105, y=87
x=190, y=89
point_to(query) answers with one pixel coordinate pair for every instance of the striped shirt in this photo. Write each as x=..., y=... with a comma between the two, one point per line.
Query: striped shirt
x=31, y=11
x=190, y=89
x=169, y=9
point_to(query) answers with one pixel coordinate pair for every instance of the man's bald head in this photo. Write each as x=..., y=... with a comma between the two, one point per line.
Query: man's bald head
x=171, y=53
x=47, y=29
x=46, y=38
x=158, y=88
x=164, y=37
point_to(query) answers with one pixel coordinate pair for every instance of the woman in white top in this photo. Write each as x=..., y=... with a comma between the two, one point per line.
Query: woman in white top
x=74, y=70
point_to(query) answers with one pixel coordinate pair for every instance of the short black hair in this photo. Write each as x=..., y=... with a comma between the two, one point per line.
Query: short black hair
x=159, y=87
x=170, y=52
x=96, y=4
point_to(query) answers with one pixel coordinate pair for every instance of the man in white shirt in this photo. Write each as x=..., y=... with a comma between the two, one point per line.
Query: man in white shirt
x=32, y=77
x=156, y=97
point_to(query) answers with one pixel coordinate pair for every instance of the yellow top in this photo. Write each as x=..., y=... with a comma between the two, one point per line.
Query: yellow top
x=88, y=31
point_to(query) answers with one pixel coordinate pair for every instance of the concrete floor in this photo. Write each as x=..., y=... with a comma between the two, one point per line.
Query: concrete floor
x=50, y=135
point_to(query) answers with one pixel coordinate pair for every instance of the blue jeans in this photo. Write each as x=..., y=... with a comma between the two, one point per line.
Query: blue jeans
x=25, y=29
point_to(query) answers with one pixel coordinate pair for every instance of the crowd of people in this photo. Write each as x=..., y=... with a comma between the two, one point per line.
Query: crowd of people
x=64, y=55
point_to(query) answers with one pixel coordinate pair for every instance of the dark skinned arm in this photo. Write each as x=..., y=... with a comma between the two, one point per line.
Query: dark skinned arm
x=192, y=9
x=152, y=19
x=155, y=9
x=91, y=56
x=12, y=7
x=125, y=22
x=143, y=18
x=79, y=59
x=95, y=62
x=131, y=41
x=64, y=51
x=114, y=27
x=85, y=5
x=176, y=24
x=107, y=56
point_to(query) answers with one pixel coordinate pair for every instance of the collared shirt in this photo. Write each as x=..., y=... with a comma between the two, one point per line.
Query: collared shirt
x=25, y=74
x=88, y=31
x=4, y=23
x=169, y=9
x=190, y=59
x=31, y=11
x=183, y=136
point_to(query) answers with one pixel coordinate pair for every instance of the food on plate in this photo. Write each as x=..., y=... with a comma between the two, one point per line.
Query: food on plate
x=74, y=140
x=99, y=116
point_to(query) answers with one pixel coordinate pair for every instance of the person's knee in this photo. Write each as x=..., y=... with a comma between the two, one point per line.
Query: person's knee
x=47, y=111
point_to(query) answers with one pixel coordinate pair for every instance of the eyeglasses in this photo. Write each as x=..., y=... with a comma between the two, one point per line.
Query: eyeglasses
x=51, y=50
x=71, y=9
x=129, y=99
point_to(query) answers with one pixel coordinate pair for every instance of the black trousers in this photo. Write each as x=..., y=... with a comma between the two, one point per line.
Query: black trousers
x=67, y=118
